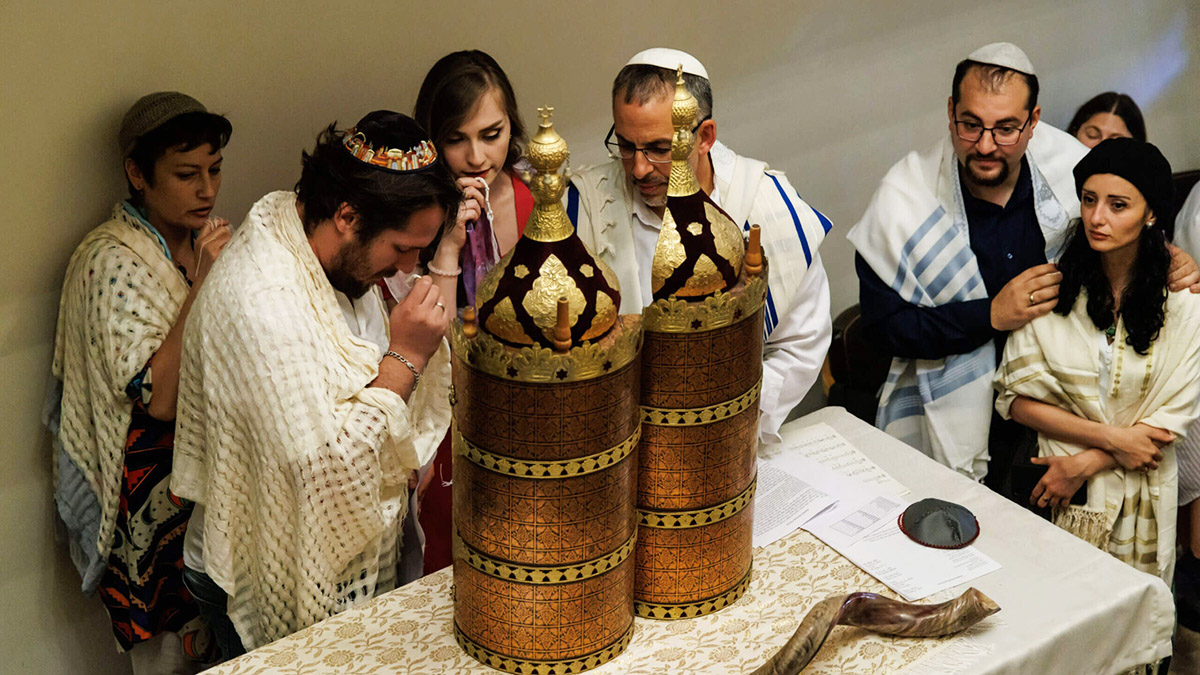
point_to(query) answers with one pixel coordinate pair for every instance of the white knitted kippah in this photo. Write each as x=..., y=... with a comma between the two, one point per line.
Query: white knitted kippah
x=670, y=59
x=1005, y=55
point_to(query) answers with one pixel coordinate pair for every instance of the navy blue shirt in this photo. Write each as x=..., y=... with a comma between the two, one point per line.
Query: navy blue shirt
x=1007, y=240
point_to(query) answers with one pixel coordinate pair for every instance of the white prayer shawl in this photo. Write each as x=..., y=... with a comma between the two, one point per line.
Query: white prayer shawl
x=301, y=466
x=120, y=298
x=914, y=235
x=751, y=193
x=602, y=205
x=1055, y=359
x=1187, y=237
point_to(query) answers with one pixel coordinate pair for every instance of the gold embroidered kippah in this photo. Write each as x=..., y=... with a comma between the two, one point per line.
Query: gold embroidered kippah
x=415, y=158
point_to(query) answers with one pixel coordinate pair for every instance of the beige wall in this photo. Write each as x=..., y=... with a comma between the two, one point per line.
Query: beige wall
x=831, y=92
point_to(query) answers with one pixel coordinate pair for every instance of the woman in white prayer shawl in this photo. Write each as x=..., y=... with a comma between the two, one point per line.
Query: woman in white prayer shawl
x=1111, y=379
x=126, y=297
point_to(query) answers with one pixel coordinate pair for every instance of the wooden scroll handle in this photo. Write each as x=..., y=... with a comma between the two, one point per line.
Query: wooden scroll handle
x=754, y=259
x=562, y=328
x=468, y=319
x=881, y=615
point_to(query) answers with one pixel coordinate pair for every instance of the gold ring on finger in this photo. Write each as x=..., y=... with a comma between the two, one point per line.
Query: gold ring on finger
x=441, y=306
x=1031, y=300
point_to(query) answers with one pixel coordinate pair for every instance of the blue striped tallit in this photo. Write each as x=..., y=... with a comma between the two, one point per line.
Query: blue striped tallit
x=915, y=235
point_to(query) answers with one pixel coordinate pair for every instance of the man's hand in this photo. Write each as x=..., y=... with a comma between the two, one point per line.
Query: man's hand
x=418, y=323
x=1138, y=448
x=1183, y=272
x=208, y=245
x=1030, y=294
x=1061, y=481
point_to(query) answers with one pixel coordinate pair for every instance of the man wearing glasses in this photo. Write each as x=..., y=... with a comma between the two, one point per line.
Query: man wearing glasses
x=618, y=207
x=952, y=255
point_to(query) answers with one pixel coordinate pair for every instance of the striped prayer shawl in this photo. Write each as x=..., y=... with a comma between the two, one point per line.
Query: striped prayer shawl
x=914, y=233
x=1055, y=359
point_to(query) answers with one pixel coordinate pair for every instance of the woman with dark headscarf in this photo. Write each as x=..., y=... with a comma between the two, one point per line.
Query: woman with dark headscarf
x=127, y=294
x=1111, y=379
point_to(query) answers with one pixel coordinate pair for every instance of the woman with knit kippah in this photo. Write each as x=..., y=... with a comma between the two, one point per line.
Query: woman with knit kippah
x=128, y=291
x=1111, y=379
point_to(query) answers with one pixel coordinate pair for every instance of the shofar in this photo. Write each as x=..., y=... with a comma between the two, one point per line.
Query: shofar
x=881, y=615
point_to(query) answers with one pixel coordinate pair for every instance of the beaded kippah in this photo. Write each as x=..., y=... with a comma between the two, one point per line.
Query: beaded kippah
x=415, y=158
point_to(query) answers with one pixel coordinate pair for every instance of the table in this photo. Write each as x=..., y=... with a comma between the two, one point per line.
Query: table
x=1066, y=606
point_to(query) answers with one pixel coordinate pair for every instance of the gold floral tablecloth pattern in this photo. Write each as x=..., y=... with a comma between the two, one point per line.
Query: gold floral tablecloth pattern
x=410, y=630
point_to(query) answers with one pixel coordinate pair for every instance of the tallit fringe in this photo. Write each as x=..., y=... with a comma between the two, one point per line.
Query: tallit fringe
x=1090, y=526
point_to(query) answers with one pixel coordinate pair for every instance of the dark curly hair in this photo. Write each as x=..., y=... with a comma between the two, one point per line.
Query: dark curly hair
x=384, y=200
x=1144, y=299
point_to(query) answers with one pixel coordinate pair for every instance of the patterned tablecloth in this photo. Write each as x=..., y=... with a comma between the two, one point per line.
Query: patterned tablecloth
x=410, y=630
x=1066, y=607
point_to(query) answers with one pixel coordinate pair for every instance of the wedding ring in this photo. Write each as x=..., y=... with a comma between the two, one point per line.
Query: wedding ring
x=1031, y=298
x=441, y=306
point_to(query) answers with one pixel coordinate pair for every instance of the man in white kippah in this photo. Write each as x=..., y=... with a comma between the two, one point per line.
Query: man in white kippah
x=953, y=254
x=618, y=207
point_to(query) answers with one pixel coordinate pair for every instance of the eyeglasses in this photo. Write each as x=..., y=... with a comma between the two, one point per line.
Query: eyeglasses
x=655, y=154
x=1002, y=134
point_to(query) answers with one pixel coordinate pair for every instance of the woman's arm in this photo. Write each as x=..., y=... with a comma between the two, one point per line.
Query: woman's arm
x=446, y=264
x=1066, y=475
x=1133, y=447
x=164, y=365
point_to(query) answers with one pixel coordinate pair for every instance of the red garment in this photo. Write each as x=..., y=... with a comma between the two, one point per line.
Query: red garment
x=437, y=505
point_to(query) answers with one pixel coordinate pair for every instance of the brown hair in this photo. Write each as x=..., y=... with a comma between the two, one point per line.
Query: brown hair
x=454, y=86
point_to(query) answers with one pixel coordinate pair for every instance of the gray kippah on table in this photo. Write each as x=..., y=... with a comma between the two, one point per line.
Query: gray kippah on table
x=152, y=111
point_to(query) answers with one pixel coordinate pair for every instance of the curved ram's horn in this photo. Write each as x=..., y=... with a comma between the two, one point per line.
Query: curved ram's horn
x=881, y=615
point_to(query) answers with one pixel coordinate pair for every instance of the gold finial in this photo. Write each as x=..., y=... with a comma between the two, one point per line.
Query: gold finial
x=547, y=153
x=696, y=235
x=684, y=112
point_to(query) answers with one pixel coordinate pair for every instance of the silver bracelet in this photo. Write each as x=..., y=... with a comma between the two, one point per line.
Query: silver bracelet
x=416, y=375
x=442, y=273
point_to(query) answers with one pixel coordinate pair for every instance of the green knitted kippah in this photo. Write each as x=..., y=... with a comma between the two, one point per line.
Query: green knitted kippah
x=152, y=111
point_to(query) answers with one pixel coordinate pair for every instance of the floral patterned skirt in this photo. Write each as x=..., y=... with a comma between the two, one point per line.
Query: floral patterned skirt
x=142, y=587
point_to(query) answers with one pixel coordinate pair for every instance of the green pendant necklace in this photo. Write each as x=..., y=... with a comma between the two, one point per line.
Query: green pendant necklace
x=1111, y=332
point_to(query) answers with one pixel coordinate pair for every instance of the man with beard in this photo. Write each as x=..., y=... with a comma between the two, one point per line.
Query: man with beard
x=304, y=407
x=617, y=208
x=952, y=255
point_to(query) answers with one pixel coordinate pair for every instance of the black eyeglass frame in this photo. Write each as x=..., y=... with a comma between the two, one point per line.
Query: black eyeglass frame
x=982, y=130
x=614, y=149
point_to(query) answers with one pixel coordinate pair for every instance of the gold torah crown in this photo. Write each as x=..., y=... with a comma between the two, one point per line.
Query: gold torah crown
x=707, y=256
x=518, y=298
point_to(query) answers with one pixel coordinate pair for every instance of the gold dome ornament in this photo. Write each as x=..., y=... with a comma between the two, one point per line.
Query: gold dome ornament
x=700, y=248
x=518, y=300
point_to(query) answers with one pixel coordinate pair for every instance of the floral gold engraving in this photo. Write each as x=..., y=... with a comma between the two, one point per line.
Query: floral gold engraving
x=677, y=315
x=543, y=574
x=526, y=468
x=523, y=667
x=542, y=364
x=676, y=520
x=692, y=610
x=691, y=417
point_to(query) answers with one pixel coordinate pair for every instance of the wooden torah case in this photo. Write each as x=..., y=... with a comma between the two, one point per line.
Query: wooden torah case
x=545, y=486
x=701, y=376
